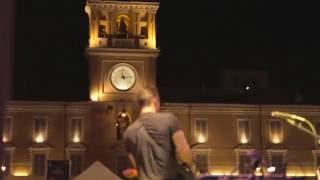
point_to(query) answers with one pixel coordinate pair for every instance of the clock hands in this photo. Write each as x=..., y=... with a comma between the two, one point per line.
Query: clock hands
x=124, y=77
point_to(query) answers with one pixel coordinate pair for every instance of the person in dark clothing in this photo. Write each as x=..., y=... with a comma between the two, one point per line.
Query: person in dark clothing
x=155, y=142
x=122, y=26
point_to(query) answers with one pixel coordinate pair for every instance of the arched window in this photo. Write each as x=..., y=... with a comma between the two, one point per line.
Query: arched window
x=123, y=26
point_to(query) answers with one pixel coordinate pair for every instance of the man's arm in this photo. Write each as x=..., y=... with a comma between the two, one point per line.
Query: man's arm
x=132, y=160
x=182, y=148
x=131, y=172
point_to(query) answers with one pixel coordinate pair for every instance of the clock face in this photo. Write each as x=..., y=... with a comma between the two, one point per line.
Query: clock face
x=123, y=77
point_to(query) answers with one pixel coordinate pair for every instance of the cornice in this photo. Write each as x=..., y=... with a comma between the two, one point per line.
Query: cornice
x=265, y=110
x=212, y=108
x=124, y=5
x=76, y=147
x=294, y=109
x=39, y=106
x=124, y=52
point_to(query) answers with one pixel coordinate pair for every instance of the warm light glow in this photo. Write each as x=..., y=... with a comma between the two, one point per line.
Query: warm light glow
x=247, y=88
x=93, y=42
x=276, y=139
x=152, y=43
x=271, y=169
x=20, y=173
x=244, y=139
x=123, y=115
x=299, y=174
x=216, y=173
x=94, y=96
x=87, y=9
x=76, y=138
x=290, y=173
x=3, y=168
x=258, y=171
x=39, y=138
x=201, y=139
x=4, y=139
x=221, y=173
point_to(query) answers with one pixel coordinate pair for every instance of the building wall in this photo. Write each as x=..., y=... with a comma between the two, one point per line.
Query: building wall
x=101, y=144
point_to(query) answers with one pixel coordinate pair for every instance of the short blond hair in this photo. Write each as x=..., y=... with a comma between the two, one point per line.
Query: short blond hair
x=146, y=95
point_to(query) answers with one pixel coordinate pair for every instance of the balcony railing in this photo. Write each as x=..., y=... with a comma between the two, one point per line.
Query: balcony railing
x=115, y=42
x=123, y=43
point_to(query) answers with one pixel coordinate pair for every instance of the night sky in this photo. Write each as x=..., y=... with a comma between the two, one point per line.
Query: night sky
x=198, y=39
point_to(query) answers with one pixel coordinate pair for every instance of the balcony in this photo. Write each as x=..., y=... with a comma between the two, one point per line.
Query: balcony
x=123, y=43
x=115, y=42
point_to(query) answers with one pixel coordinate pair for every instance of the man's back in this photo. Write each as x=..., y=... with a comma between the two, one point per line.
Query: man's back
x=155, y=156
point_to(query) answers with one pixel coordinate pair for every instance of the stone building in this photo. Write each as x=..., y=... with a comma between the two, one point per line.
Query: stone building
x=122, y=56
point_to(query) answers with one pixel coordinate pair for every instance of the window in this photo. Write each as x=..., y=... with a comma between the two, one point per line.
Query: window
x=277, y=159
x=316, y=155
x=202, y=162
x=76, y=157
x=122, y=164
x=144, y=26
x=201, y=130
x=40, y=129
x=317, y=160
x=201, y=158
x=144, y=31
x=123, y=26
x=276, y=131
x=76, y=129
x=244, y=164
x=244, y=161
x=39, y=164
x=102, y=31
x=243, y=131
x=318, y=131
x=76, y=160
x=7, y=129
x=8, y=153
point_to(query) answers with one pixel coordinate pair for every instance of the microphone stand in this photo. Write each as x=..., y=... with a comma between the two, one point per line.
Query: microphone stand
x=300, y=126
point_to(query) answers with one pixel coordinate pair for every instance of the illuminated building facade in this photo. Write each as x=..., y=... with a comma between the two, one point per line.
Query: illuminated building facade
x=122, y=56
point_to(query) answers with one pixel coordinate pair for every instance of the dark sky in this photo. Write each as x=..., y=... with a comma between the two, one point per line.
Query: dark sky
x=197, y=39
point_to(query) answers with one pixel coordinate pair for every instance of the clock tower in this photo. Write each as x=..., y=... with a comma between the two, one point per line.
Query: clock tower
x=122, y=57
x=122, y=48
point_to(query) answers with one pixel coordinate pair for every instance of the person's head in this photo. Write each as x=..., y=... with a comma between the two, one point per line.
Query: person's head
x=148, y=98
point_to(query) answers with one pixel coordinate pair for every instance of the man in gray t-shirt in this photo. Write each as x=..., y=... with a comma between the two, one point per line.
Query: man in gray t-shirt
x=155, y=142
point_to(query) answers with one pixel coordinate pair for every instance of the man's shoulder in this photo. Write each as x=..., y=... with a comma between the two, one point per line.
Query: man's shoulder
x=131, y=129
x=165, y=115
x=164, y=118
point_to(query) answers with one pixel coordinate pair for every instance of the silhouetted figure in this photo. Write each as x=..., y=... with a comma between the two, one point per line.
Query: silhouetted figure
x=122, y=26
x=123, y=122
x=102, y=31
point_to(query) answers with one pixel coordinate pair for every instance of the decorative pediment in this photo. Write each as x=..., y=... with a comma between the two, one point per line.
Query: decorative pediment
x=76, y=147
x=40, y=147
